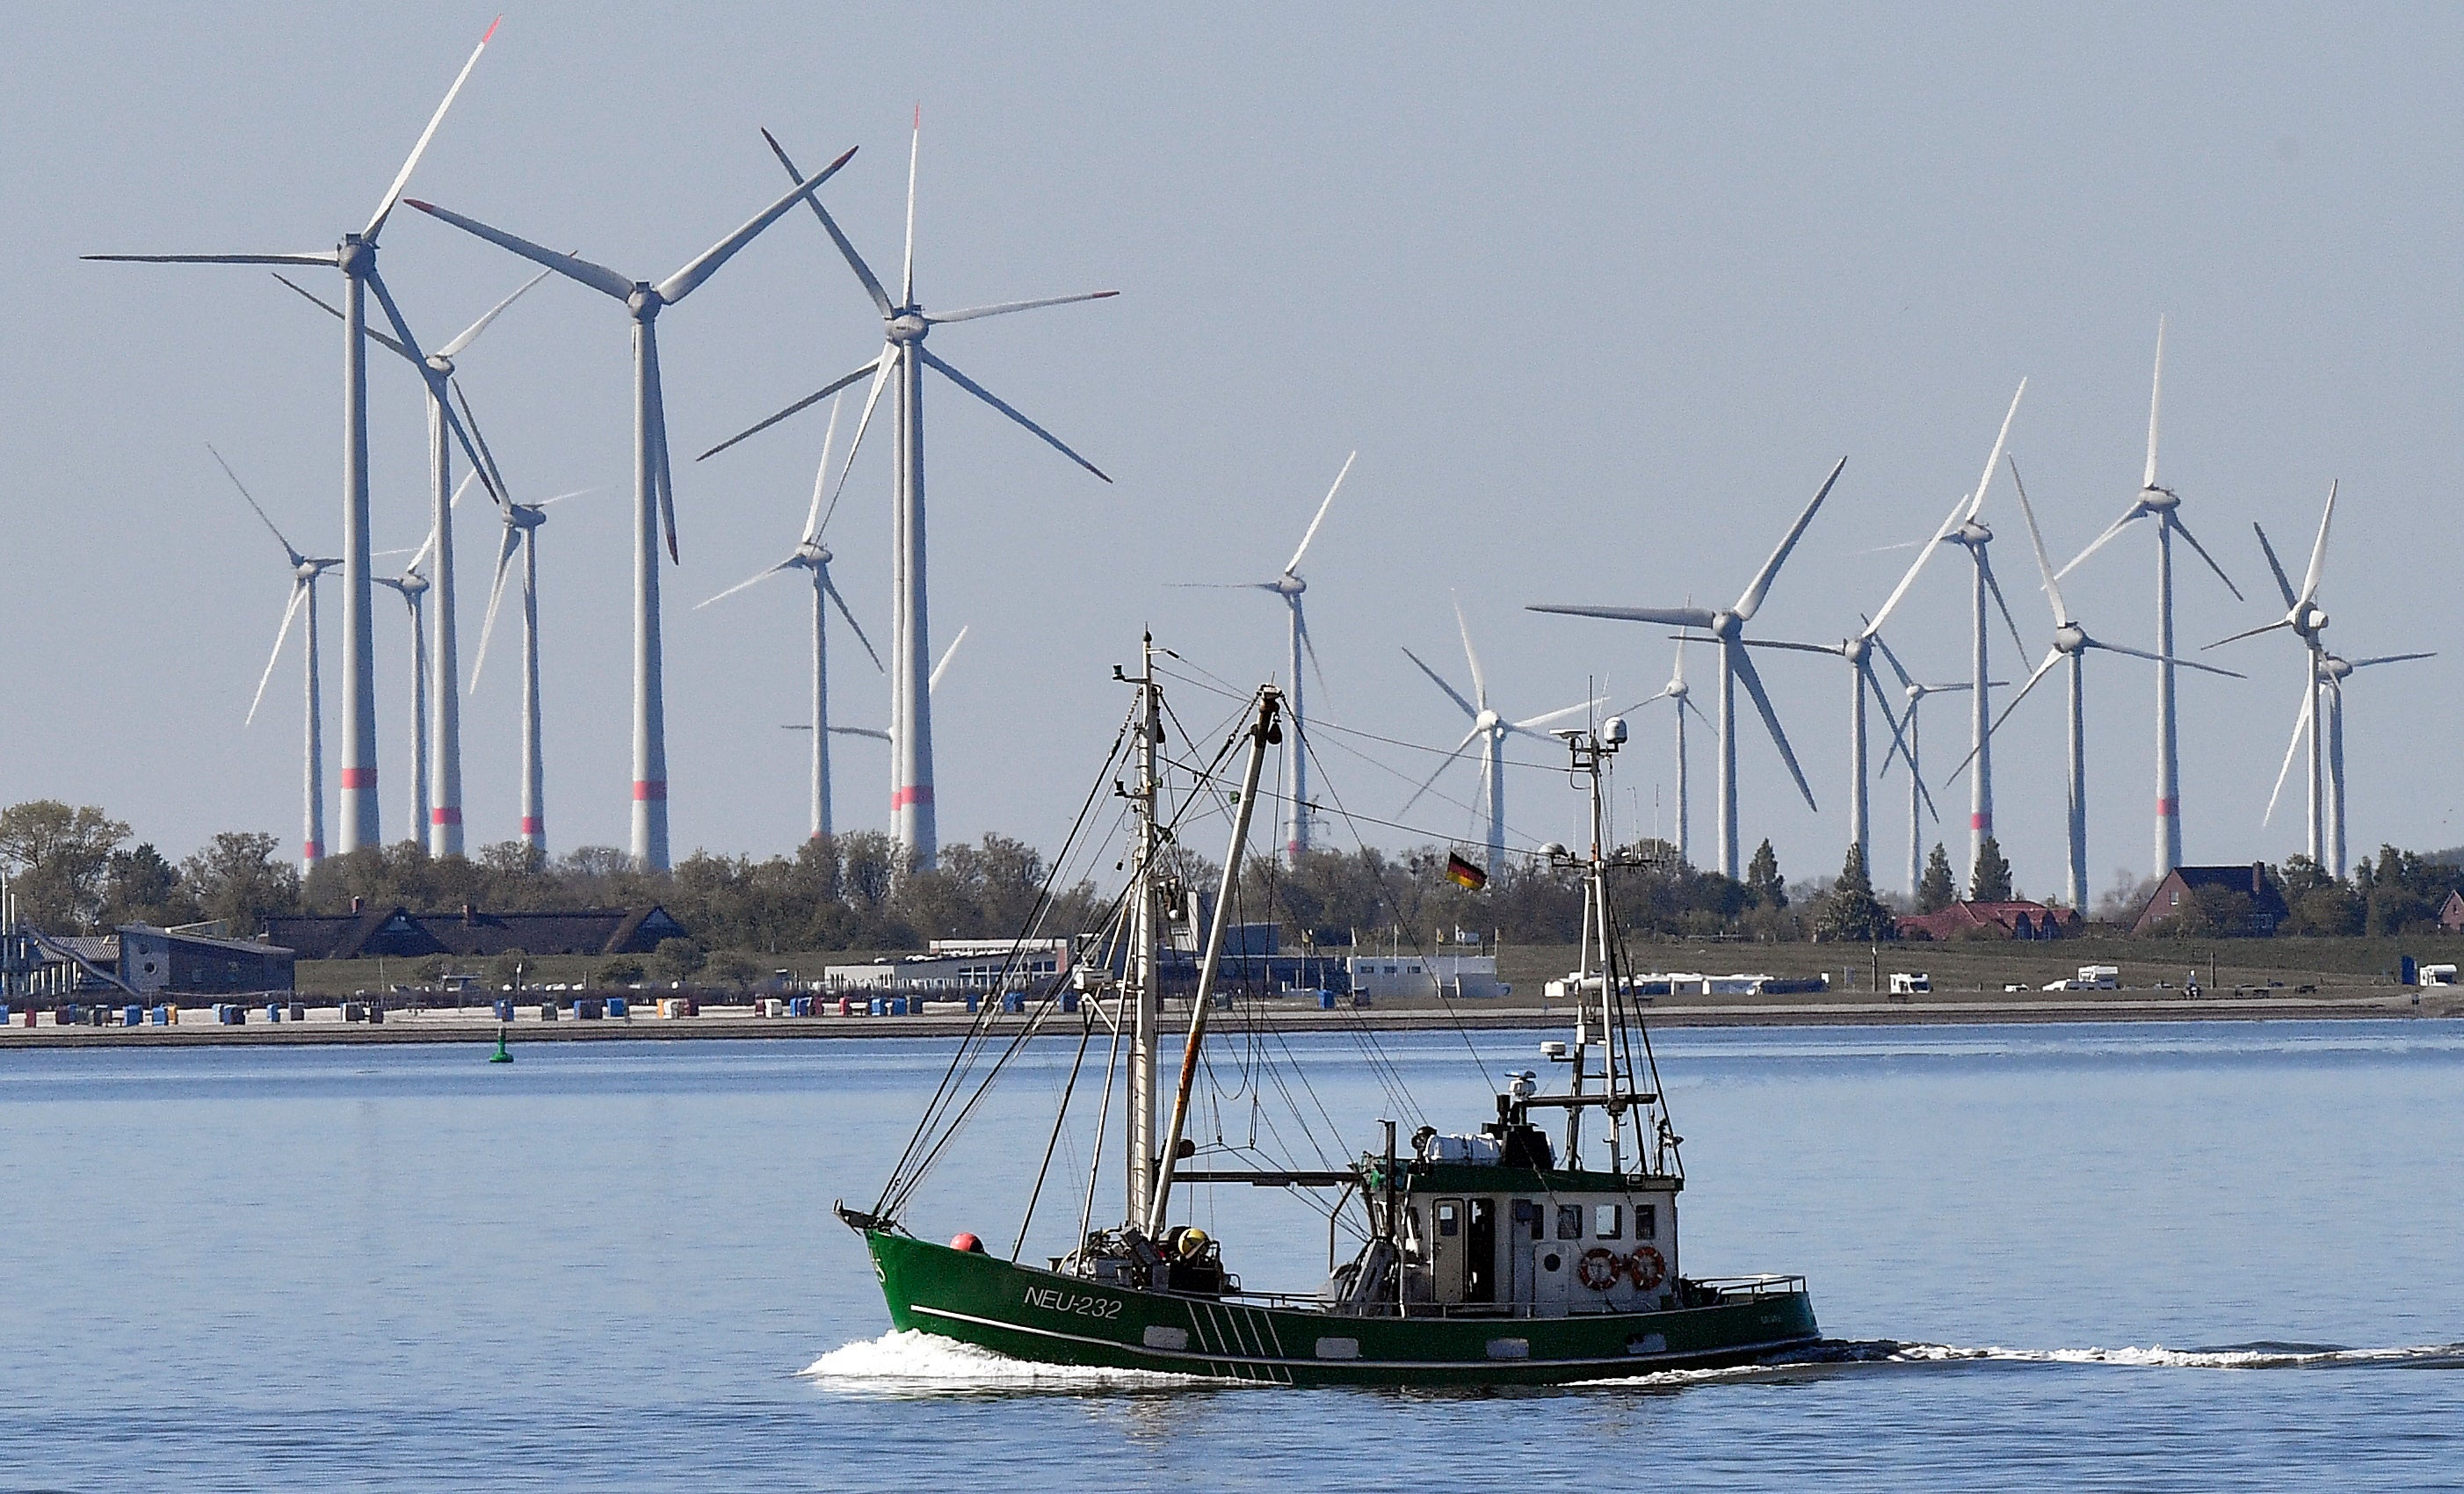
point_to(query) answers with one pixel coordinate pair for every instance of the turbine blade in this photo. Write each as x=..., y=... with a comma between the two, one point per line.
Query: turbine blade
x=1435, y=678
x=599, y=277
x=1529, y=725
x=2155, y=405
x=855, y=261
x=1670, y=617
x=1951, y=522
x=1443, y=763
x=1796, y=648
x=2183, y=530
x=807, y=401
x=2319, y=549
x=436, y=388
x=336, y=312
x=660, y=475
x=470, y=333
x=932, y=681
x=1977, y=500
x=1479, y=680
x=2300, y=724
x=485, y=467
x=1761, y=585
x=881, y=373
x=402, y=177
x=755, y=579
x=1744, y=666
x=1004, y=308
x=288, y=548
x=685, y=281
x=505, y=548
x=1310, y=534
x=997, y=402
x=2390, y=658
x=1865, y=671
x=2276, y=568
x=858, y=730
x=2044, y=567
x=915, y=150
x=1309, y=645
x=1890, y=658
x=2248, y=633
x=322, y=257
x=2158, y=658
x=821, y=473
x=299, y=589
x=2137, y=511
x=832, y=587
x=1996, y=586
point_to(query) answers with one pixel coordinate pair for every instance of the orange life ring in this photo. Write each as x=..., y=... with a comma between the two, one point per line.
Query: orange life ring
x=1647, y=1267
x=1598, y=1269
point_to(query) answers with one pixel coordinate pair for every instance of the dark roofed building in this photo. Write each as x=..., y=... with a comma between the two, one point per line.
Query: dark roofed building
x=2267, y=909
x=397, y=933
x=2013, y=920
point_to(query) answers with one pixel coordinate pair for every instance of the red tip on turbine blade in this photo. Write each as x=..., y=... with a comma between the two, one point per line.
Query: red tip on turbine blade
x=414, y=202
x=1100, y=296
x=920, y=117
x=671, y=550
x=492, y=30
x=841, y=161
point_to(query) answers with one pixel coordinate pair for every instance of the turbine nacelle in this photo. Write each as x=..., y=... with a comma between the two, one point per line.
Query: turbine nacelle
x=907, y=324
x=812, y=553
x=2308, y=619
x=355, y=257
x=1972, y=533
x=1725, y=626
x=645, y=301
x=1286, y=584
x=1489, y=722
x=2070, y=638
x=2334, y=668
x=2159, y=501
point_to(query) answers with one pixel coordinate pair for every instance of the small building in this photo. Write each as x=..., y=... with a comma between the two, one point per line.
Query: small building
x=1389, y=976
x=2450, y=914
x=2267, y=909
x=472, y=934
x=2018, y=919
x=958, y=968
x=174, y=962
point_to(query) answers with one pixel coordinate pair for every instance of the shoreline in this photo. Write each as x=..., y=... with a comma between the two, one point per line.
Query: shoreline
x=469, y=1026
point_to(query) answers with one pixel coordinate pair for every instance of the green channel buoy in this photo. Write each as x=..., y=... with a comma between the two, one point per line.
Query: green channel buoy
x=501, y=1056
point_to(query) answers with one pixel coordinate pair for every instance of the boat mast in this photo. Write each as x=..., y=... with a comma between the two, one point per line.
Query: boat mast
x=1263, y=735
x=1139, y=1161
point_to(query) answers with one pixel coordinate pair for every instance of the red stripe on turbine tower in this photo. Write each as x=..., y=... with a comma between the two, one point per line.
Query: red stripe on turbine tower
x=913, y=795
x=312, y=850
x=650, y=789
x=445, y=816
x=2168, y=807
x=1980, y=822
x=358, y=778
x=532, y=825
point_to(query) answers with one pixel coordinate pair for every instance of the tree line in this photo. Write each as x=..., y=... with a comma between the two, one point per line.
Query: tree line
x=74, y=870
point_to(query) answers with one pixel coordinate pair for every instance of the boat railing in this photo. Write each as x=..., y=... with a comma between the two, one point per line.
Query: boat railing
x=1751, y=1287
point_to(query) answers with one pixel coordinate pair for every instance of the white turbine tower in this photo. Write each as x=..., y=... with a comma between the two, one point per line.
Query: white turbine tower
x=304, y=571
x=439, y=818
x=1491, y=731
x=1681, y=700
x=356, y=256
x=2307, y=621
x=2163, y=505
x=2334, y=671
x=902, y=361
x=413, y=586
x=814, y=557
x=653, y=488
x=2072, y=641
x=519, y=531
x=1726, y=627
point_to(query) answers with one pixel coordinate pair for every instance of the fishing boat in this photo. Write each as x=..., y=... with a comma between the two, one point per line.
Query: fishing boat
x=1539, y=1245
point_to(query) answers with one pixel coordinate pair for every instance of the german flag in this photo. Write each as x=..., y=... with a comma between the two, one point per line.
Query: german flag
x=1465, y=874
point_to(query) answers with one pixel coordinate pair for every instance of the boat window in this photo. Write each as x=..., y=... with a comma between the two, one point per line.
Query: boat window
x=1450, y=1217
x=1608, y=1221
x=1647, y=1221
x=1570, y=1221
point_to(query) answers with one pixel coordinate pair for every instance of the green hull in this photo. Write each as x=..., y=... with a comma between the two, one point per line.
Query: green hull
x=1046, y=1317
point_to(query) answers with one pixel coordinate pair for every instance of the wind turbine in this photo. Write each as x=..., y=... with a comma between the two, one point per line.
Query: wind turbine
x=356, y=256
x=1491, y=730
x=2163, y=505
x=931, y=686
x=2306, y=620
x=413, y=586
x=1677, y=692
x=439, y=820
x=2072, y=641
x=812, y=555
x=1906, y=746
x=1726, y=627
x=304, y=571
x=2333, y=673
x=903, y=360
x=653, y=488
x=519, y=530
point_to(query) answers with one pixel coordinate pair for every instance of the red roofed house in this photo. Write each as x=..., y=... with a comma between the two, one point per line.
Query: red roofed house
x=2013, y=920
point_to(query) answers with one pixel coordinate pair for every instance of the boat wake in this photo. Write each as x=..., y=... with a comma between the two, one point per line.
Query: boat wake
x=903, y=1362
x=1842, y=1354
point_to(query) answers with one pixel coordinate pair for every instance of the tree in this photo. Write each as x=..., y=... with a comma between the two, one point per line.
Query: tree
x=734, y=969
x=141, y=886
x=1936, y=891
x=676, y=960
x=431, y=970
x=619, y=970
x=1990, y=882
x=509, y=968
x=2327, y=910
x=242, y=879
x=1850, y=912
x=57, y=859
x=1763, y=879
x=2302, y=877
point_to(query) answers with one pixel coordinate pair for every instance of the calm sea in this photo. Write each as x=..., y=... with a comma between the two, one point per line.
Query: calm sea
x=2224, y=1257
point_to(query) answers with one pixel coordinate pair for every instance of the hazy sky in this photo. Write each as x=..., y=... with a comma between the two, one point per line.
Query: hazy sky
x=1598, y=296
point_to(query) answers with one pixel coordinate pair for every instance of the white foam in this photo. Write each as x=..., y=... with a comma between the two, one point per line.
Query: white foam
x=2156, y=1357
x=907, y=1362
